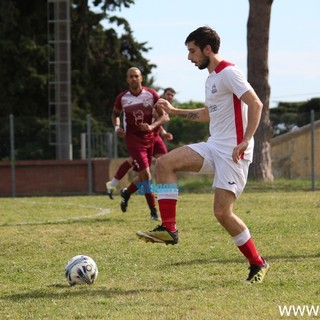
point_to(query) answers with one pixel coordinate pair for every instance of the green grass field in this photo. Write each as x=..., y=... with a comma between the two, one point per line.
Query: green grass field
x=203, y=277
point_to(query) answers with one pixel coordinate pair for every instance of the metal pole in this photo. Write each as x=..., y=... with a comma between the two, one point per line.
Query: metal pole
x=12, y=157
x=109, y=139
x=312, y=152
x=115, y=146
x=89, y=154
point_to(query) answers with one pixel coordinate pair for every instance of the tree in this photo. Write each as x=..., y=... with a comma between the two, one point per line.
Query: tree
x=100, y=58
x=258, y=73
x=290, y=115
x=23, y=58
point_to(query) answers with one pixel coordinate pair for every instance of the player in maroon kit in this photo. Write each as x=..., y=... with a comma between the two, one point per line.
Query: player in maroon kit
x=137, y=105
x=159, y=149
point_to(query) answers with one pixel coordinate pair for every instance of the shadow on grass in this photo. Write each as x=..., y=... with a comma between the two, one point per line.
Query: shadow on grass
x=65, y=291
x=270, y=258
x=61, y=222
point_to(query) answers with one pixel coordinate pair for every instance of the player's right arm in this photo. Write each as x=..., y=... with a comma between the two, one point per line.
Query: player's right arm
x=115, y=117
x=197, y=115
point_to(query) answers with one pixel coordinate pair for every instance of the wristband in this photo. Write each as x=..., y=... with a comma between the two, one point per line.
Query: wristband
x=116, y=128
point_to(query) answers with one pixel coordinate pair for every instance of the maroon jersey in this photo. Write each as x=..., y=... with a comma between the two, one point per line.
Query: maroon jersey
x=136, y=110
x=157, y=131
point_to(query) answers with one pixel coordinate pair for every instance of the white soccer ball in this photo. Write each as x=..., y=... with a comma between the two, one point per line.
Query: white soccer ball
x=81, y=269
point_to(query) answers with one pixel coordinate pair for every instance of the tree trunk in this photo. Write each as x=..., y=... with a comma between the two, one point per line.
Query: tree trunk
x=258, y=73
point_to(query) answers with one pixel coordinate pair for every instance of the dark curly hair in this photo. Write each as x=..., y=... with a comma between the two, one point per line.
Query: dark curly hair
x=204, y=36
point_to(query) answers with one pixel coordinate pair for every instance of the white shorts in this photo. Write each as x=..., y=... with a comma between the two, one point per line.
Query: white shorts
x=228, y=175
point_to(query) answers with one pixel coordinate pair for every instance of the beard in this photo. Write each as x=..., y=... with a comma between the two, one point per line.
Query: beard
x=204, y=63
x=134, y=85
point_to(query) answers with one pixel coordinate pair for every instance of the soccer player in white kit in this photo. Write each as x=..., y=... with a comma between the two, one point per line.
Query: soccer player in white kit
x=233, y=111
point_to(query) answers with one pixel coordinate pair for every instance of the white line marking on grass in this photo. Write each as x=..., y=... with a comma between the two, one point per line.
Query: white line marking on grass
x=102, y=212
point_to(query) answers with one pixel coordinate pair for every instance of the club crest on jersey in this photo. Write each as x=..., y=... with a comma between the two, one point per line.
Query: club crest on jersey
x=146, y=103
x=138, y=117
x=213, y=89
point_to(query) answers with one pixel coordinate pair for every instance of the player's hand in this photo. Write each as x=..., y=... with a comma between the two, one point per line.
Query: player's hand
x=168, y=136
x=165, y=105
x=120, y=132
x=239, y=150
x=145, y=127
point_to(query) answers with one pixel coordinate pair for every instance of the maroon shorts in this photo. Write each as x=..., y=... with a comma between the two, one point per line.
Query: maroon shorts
x=140, y=149
x=141, y=158
x=159, y=146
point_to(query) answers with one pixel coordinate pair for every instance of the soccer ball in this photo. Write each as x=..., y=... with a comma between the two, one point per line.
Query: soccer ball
x=81, y=269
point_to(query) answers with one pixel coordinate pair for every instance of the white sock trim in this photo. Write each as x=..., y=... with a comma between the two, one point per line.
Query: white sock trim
x=168, y=195
x=114, y=182
x=242, y=238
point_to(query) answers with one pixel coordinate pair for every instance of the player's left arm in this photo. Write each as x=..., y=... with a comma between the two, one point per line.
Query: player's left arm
x=255, y=106
x=166, y=134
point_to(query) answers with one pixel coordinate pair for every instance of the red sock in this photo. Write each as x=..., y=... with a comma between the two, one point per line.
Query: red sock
x=151, y=200
x=168, y=213
x=123, y=169
x=250, y=252
x=132, y=188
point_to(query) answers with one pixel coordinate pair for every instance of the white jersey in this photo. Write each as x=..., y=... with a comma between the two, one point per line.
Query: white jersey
x=228, y=114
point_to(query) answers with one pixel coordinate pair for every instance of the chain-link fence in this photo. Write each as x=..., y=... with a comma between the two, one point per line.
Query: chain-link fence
x=28, y=138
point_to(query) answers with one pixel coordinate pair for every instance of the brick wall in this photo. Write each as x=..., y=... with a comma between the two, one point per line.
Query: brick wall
x=290, y=153
x=53, y=177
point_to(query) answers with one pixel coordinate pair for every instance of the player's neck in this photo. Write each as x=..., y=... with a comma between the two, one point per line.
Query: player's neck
x=214, y=61
x=136, y=91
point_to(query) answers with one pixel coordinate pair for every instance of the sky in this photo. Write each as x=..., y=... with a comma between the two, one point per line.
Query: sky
x=294, y=46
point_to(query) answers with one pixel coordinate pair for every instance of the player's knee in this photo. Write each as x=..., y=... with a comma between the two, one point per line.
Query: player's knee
x=221, y=215
x=218, y=214
x=145, y=175
x=161, y=164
